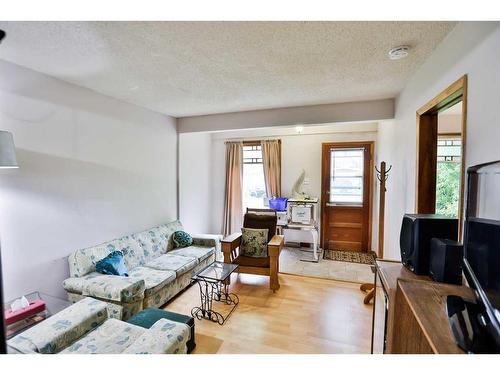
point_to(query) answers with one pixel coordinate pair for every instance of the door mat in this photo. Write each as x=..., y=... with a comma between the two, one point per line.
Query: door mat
x=350, y=256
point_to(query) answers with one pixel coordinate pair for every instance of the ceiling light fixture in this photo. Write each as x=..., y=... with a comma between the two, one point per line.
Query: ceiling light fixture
x=399, y=52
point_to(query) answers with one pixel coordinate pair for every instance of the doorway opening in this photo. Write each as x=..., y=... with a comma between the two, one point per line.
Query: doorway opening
x=441, y=137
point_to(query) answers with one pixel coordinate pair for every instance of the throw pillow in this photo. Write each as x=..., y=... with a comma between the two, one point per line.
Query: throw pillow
x=113, y=264
x=254, y=242
x=182, y=239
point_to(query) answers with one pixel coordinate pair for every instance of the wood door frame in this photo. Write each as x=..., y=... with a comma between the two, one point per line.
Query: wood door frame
x=427, y=136
x=325, y=184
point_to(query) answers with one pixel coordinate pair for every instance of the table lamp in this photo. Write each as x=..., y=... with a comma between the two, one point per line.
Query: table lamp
x=7, y=160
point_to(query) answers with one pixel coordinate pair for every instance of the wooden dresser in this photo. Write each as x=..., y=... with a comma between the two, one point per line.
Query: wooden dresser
x=409, y=315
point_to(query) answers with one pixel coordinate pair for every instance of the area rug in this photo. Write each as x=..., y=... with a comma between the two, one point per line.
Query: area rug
x=350, y=256
x=290, y=262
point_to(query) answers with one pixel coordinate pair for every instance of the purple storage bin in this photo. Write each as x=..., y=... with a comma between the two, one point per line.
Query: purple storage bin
x=278, y=204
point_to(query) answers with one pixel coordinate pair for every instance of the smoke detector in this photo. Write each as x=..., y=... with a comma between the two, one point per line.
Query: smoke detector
x=399, y=52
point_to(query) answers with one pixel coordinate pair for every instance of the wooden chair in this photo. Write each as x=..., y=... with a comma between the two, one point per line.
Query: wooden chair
x=268, y=266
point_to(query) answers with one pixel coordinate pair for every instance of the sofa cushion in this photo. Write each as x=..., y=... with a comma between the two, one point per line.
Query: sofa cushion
x=153, y=242
x=60, y=330
x=165, y=336
x=113, y=336
x=154, y=279
x=199, y=252
x=168, y=230
x=171, y=262
x=114, y=288
x=133, y=253
x=83, y=261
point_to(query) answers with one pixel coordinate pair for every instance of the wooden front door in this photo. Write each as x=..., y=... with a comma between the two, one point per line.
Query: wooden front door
x=347, y=170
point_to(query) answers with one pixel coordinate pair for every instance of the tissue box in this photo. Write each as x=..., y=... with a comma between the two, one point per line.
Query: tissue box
x=34, y=307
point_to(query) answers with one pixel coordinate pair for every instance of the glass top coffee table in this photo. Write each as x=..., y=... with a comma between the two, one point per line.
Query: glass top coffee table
x=214, y=286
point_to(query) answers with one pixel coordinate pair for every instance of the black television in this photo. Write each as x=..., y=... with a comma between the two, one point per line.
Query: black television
x=476, y=324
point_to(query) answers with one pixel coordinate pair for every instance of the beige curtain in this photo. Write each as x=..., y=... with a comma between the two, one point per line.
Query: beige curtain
x=271, y=159
x=233, y=212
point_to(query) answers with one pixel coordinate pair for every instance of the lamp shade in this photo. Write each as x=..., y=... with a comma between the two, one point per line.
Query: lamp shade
x=7, y=150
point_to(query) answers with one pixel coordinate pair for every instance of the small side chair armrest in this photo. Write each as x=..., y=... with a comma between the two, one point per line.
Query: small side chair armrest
x=275, y=245
x=231, y=242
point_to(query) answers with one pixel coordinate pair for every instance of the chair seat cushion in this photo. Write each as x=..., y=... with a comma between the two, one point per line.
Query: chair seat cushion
x=251, y=261
x=154, y=279
x=113, y=336
x=170, y=262
x=199, y=252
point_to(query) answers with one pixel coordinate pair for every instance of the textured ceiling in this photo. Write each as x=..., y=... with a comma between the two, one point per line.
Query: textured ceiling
x=193, y=68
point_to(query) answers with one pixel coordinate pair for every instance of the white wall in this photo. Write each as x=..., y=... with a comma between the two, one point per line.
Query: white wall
x=298, y=151
x=91, y=169
x=195, y=181
x=473, y=49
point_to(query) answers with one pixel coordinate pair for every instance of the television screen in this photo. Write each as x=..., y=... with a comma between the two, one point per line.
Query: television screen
x=482, y=241
x=483, y=256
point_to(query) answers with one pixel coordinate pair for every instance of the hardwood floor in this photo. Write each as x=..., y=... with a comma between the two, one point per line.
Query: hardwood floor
x=306, y=315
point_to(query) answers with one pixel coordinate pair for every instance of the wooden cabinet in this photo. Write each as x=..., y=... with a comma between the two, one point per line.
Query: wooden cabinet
x=410, y=313
x=379, y=317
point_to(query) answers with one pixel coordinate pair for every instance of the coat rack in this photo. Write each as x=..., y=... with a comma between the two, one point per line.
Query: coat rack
x=382, y=176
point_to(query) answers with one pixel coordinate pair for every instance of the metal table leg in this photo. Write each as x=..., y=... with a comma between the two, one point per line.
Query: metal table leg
x=213, y=291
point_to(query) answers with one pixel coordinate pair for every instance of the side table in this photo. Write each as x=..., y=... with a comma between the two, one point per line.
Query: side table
x=212, y=281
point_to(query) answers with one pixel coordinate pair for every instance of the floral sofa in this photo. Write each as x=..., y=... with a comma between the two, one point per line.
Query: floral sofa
x=85, y=328
x=157, y=271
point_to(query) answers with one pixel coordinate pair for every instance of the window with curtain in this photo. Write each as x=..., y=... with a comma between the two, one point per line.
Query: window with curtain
x=254, y=186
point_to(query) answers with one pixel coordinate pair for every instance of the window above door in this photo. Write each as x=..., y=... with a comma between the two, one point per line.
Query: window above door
x=346, y=175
